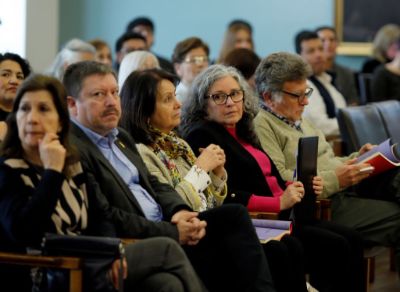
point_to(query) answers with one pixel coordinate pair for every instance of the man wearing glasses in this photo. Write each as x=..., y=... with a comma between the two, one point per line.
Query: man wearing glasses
x=281, y=81
x=326, y=99
x=189, y=58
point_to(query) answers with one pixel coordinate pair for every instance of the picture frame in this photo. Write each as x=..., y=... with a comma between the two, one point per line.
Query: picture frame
x=357, y=21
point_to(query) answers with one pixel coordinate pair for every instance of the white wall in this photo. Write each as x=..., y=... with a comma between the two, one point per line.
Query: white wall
x=12, y=27
x=42, y=26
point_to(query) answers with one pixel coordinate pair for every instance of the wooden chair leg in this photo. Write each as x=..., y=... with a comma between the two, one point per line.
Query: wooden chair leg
x=372, y=270
x=367, y=273
x=392, y=260
x=75, y=281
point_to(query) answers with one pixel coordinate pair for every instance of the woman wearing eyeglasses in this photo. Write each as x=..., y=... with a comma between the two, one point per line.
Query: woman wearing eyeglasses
x=190, y=57
x=219, y=111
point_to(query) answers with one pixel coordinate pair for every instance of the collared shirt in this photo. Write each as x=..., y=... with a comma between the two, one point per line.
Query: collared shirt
x=126, y=169
x=296, y=125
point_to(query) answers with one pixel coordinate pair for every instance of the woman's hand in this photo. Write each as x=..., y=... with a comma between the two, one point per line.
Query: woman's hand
x=52, y=152
x=211, y=158
x=114, y=271
x=292, y=195
x=318, y=185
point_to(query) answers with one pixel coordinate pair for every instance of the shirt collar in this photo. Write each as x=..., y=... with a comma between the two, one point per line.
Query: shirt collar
x=96, y=138
x=296, y=125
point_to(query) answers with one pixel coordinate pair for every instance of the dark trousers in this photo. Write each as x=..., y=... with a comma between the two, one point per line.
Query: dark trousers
x=160, y=264
x=286, y=262
x=230, y=256
x=334, y=256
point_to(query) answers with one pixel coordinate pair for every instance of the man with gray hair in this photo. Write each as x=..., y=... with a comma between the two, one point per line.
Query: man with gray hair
x=281, y=81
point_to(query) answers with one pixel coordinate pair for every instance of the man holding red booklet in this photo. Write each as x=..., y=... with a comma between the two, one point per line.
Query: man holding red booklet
x=369, y=204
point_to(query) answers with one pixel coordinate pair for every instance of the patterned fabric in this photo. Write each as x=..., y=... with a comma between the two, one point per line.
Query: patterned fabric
x=70, y=215
x=296, y=125
x=169, y=147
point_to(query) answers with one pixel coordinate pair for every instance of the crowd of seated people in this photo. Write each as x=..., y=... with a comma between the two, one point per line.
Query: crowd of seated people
x=177, y=153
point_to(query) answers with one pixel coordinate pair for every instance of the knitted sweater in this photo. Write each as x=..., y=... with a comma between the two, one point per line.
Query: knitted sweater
x=280, y=141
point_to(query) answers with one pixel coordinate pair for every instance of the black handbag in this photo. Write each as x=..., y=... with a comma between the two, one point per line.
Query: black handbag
x=98, y=254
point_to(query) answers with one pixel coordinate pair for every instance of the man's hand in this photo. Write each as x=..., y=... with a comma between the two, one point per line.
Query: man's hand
x=349, y=173
x=318, y=185
x=190, y=228
x=365, y=148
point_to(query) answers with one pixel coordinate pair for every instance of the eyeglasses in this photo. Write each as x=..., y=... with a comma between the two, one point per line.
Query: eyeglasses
x=198, y=60
x=300, y=97
x=222, y=98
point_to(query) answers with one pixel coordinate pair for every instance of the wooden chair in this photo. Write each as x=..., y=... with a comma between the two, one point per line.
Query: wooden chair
x=73, y=264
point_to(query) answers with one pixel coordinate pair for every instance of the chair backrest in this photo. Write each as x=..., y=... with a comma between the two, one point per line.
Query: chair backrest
x=364, y=85
x=390, y=114
x=359, y=125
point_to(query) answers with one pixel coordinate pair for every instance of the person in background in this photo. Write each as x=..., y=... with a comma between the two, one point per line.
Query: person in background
x=136, y=61
x=227, y=255
x=239, y=34
x=74, y=51
x=325, y=99
x=145, y=26
x=13, y=70
x=218, y=113
x=103, y=51
x=383, y=47
x=342, y=77
x=385, y=83
x=365, y=204
x=246, y=61
x=127, y=43
x=190, y=57
x=43, y=189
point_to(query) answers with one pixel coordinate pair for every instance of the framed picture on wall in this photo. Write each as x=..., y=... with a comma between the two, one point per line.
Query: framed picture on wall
x=357, y=21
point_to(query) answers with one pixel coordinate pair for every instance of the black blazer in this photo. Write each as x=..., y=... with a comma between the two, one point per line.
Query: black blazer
x=245, y=176
x=116, y=198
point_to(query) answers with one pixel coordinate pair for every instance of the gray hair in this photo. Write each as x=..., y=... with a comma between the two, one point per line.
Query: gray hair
x=135, y=61
x=278, y=68
x=384, y=38
x=71, y=53
x=195, y=107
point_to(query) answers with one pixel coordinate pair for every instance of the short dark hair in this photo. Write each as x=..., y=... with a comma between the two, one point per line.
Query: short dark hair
x=302, y=36
x=140, y=21
x=242, y=22
x=138, y=99
x=76, y=74
x=24, y=64
x=127, y=36
x=245, y=60
x=11, y=146
x=325, y=27
x=185, y=46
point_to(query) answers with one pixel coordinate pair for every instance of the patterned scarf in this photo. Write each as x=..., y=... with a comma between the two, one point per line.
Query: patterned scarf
x=169, y=147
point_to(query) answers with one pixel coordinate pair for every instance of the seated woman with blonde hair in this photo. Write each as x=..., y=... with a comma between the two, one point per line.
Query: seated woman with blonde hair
x=136, y=61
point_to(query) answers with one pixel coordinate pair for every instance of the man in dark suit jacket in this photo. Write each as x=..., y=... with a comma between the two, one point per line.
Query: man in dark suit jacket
x=227, y=258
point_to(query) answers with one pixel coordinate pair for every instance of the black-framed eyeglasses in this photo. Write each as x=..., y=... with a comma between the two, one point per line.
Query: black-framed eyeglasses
x=300, y=97
x=220, y=98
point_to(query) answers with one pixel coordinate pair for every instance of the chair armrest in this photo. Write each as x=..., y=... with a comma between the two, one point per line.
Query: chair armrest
x=73, y=264
x=324, y=209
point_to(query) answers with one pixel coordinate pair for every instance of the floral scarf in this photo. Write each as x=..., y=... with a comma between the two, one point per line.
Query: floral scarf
x=169, y=147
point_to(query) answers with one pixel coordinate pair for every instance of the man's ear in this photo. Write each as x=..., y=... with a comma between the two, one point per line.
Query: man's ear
x=71, y=102
x=267, y=96
x=177, y=68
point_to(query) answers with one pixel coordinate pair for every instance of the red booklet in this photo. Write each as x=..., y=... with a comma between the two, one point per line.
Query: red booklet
x=382, y=157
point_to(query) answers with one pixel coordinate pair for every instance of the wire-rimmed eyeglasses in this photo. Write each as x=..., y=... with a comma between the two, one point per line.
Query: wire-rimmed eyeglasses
x=300, y=97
